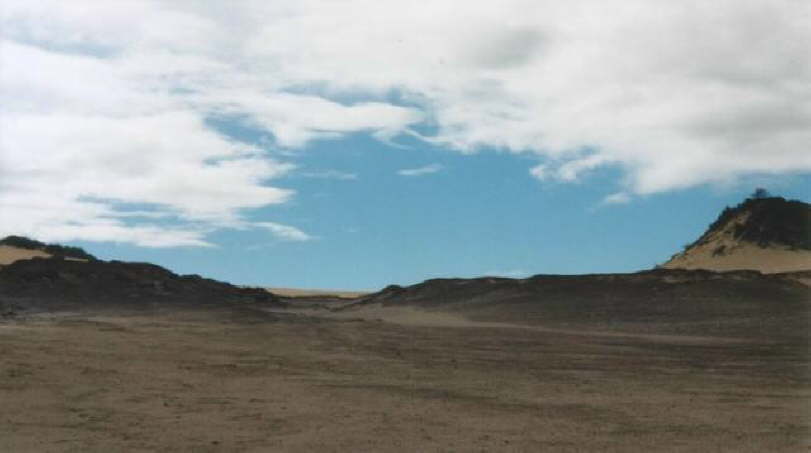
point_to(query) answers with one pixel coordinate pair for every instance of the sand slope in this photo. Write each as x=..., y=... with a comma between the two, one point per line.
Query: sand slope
x=719, y=250
x=769, y=260
x=770, y=235
x=9, y=254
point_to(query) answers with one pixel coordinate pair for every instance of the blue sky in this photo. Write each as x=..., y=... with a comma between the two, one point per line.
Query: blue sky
x=353, y=144
x=481, y=214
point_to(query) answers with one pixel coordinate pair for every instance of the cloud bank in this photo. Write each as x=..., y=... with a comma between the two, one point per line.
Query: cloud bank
x=103, y=106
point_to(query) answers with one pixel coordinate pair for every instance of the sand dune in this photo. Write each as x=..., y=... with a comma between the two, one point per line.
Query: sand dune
x=663, y=301
x=769, y=235
x=9, y=254
x=110, y=356
x=771, y=260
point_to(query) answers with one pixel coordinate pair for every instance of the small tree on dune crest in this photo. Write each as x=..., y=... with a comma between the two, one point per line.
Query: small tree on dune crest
x=760, y=193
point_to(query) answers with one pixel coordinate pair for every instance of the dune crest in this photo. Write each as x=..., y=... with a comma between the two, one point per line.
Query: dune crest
x=770, y=235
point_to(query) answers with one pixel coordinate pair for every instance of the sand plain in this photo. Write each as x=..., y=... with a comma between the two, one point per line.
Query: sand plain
x=230, y=381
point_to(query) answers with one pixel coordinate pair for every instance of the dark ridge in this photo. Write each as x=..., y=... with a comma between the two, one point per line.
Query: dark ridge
x=772, y=220
x=58, y=251
x=627, y=288
x=46, y=284
x=671, y=300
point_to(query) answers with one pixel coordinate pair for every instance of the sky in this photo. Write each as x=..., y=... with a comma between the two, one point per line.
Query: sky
x=352, y=144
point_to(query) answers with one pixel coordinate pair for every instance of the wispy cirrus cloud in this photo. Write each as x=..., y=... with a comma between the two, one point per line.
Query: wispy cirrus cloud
x=617, y=198
x=511, y=273
x=284, y=232
x=420, y=171
x=328, y=174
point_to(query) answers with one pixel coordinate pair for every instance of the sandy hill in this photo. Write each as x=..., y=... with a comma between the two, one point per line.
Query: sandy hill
x=9, y=254
x=36, y=277
x=748, y=275
x=770, y=235
x=15, y=248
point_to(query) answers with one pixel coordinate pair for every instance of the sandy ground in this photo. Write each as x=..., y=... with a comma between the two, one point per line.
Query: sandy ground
x=411, y=316
x=205, y=382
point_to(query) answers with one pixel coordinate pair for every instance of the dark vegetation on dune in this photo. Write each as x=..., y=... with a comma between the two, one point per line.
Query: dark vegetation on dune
x=771, y=220
x=737, y=303
x=662, y=300
x=688, y=301
x=51, y=284
x=58, y=251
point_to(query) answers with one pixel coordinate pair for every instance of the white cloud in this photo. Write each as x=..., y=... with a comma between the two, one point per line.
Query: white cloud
x=568, y=170
x=617, y=198
x=512, y=273
x=295, y=120
x=328, y=174
x=285, y=232
x=420, y=171
x=107, y=101
x=676, y=94
x=77, y=172
x=540, y=172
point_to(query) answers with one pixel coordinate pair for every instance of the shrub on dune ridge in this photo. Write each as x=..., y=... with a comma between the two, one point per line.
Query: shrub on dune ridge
x=59, y=251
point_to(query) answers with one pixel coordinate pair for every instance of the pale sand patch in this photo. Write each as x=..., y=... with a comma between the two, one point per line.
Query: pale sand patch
x=720, y=251
x=9, y=254
x=299, y=292
x=770, y=260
